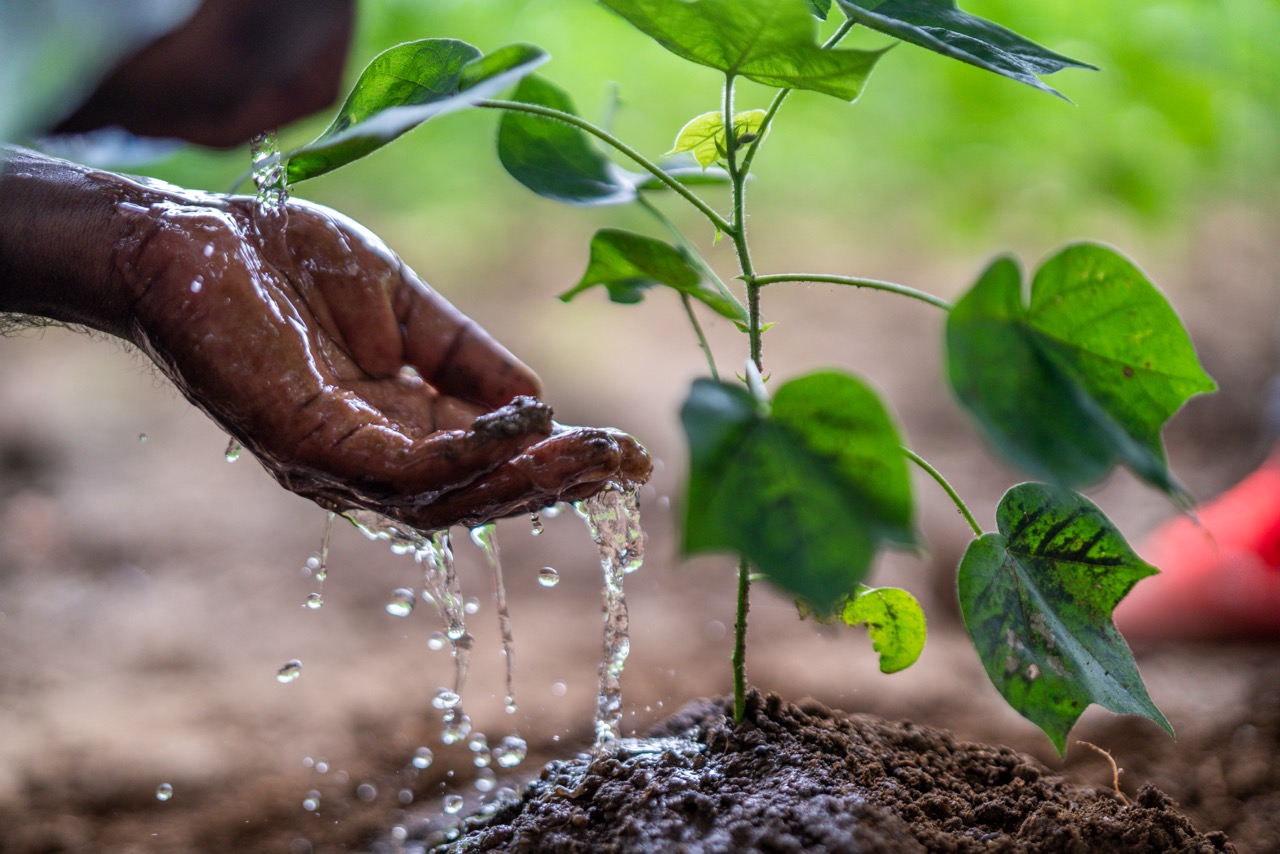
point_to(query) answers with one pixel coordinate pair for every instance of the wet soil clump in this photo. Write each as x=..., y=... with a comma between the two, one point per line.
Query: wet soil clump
x=804, y=778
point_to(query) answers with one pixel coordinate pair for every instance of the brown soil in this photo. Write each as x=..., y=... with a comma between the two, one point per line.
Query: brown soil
x=804, y=778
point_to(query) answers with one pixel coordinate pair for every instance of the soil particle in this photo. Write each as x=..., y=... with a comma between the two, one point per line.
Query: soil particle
x=804, y=778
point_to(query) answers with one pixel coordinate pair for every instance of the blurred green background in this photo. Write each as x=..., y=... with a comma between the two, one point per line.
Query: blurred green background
x=1182, y=116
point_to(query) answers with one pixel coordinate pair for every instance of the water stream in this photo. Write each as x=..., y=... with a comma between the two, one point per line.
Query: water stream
x=485, y=537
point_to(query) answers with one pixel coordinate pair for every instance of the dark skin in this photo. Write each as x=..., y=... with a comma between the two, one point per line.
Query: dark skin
x=297, y=330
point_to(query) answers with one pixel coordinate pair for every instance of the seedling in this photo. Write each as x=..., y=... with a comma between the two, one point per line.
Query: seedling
x=806, y=480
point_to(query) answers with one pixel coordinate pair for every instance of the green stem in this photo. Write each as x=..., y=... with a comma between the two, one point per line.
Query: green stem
x=611, y=140
x=946, y=487
x=740, y=643
x=874, y=284
x=738, y=182
x=702, y=339
x=693, y=253
x=783, y=94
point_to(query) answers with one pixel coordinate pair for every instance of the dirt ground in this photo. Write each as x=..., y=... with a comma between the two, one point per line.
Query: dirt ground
x=149, y=590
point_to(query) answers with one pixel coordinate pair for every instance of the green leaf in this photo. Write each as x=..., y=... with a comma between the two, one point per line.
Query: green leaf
x=628, y=264
x=820, y=8
x=402, y=88
x=556, y=160
x=1037, y=600
x=895, y=621
x=807, y=491
x=704, y=135
x=773, y=42
x=940, y=26
x=1079, y=377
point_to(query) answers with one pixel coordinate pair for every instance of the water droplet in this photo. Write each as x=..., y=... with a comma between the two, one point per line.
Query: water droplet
x=548, y=577
x=472, y=606
x=322, y=766
x=308, y=762
x=453, y=804
x=410, y=376
x=233, y=451
x=367, y=792
x=311, y=802
x=164, y=792
x=207, y=251
x=405, y=797
x=269, y=176
x=456, y=728
x=478, y=743
x=314, y=601
x=197, y=284
x=313, y=563
x=422, y=758
x=402, y=602
x=551, y=512
x=142, y=438
x=437, y=641
x=486, y=781
x=289, y=671
x=559, y=689
x=536, y=521
x=511, y=752
x=511, y=708
x=445, y=699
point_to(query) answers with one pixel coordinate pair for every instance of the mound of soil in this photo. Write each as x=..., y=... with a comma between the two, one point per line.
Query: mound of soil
x=805, y=778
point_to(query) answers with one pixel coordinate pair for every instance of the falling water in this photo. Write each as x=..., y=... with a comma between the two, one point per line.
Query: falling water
x=318, y=565
x=269, y=177
x=484, y=537
x=613, y=518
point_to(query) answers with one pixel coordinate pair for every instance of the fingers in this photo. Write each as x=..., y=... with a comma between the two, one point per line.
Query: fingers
x=567, y=466
x=454, y=354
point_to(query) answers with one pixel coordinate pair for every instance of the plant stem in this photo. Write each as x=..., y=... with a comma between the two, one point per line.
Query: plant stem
x=692, y=252
x=738, y=182
x=874, y=284
x=604, y=136
x=740, y=643
x=946, y=487
x=702, y=339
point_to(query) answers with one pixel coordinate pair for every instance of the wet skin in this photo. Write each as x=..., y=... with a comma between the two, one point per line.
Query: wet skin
x=293, y=330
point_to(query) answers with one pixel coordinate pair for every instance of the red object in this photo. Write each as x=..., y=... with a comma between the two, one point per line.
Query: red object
x=1219, y=579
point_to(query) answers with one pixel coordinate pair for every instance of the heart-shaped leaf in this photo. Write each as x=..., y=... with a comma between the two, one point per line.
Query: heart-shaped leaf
x=628, y=264
x=405, y=86
x=556, y=160
x=773, y=42
x=807, y=491
x=940, y=26
x=1037, y=600
x=1082, y=375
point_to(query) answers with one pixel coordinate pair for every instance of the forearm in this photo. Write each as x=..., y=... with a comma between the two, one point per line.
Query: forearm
x=59, y=228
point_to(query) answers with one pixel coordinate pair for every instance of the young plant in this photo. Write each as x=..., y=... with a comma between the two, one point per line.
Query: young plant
x=1066, y=375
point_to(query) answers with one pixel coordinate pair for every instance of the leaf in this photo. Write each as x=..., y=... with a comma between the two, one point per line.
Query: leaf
x=773, y=42
x=627, y=264
x=404, y=87
x=1083, y=375
x=1037, y=599
x=895, y=621
x=685, y=170
x=940, y=26
x=820, y=8
x=556, y=160
x=704, y=135
x=808, y=491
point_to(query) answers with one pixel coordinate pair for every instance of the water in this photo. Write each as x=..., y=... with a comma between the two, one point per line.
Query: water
x=536, y=521
x=511, y=752
x=232, y=453
x=613, y=518
x=289, y=671
x=453, y=804
x=269, y=177
x=422, y=758
x=318, y=565
x=314, y=601
x=164, y=792
x=548, y=577
x=485, y=537
x=402, y=602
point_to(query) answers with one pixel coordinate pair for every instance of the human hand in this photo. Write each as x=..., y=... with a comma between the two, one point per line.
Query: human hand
x=296, y=331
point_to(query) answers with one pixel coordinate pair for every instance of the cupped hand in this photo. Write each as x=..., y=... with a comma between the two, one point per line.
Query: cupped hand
x=352, y=382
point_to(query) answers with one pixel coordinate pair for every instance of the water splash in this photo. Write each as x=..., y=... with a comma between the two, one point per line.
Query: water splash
x=269, y=176
x=485, y=536
x=613, y=518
